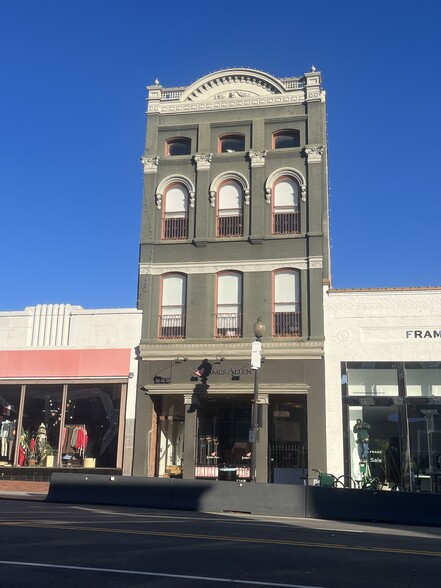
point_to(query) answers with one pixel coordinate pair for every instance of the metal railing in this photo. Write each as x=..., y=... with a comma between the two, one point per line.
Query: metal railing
x=286, y=223
x=228, y=325
x=230, y=226
x=175, y=227
x=287, y=324
x=172, y=326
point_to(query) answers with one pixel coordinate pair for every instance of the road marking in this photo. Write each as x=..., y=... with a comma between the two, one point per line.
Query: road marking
x=341, y=546
x=156, y=574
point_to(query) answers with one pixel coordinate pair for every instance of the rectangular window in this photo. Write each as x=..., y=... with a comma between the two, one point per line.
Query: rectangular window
x=172, y=317
x=286, y=315
x=229, y=305
x=423, y=382
x=372, y=382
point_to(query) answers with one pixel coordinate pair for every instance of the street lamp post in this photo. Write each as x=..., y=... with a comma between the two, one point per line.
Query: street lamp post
x=256, y=356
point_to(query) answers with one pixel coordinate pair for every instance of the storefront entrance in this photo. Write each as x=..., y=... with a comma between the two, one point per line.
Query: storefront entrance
x=223, y=448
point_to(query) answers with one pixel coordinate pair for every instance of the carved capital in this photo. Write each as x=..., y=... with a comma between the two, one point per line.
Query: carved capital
x=202, y=161
x=150, y=164
x=257, y=158
x=314, y=154
x=191, y=399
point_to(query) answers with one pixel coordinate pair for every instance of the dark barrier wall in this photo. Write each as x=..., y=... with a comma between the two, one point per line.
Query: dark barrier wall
x=171, y=493
x=373, y=505
x=273, y=499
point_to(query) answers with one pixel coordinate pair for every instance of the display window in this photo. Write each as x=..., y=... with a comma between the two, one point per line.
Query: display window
x=393, y=423
x=223, y=431
x=39, y=432
x=60, y=425
x=9, y=407
x=91, y=424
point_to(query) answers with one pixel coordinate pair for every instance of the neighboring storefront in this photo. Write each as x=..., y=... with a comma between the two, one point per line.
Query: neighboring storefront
x=383, y=368
x=67, y=388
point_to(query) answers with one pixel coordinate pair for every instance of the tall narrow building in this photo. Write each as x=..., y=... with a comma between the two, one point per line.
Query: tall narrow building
x=234, y=227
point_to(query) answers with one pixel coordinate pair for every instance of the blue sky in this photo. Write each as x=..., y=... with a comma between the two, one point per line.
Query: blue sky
x=72, y=129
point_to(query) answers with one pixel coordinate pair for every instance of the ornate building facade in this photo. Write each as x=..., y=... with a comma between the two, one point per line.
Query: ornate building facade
x=234, y=227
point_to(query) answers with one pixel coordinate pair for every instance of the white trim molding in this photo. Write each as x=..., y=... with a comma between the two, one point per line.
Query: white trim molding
x=282, y=172
x=174, y=179
x=229, y=175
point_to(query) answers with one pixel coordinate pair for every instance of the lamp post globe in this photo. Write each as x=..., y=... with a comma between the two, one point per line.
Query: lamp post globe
x=259, y=328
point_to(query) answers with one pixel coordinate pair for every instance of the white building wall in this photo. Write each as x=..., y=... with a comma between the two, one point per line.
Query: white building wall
x=374, y=325
x=62, y=326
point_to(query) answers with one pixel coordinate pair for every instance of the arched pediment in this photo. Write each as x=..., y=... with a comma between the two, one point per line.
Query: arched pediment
x=279, y=173
x=232, y=83
x=230, y=175
x=175, y=179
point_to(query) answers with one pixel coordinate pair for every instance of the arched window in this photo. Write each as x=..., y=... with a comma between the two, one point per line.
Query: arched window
x=231, y=143
x=175, y=213
x=173, y=306
x=178, y=146
x=286, y=138
x=286, y=209
x=230, y=210
x=286, y=304
x=229, y=305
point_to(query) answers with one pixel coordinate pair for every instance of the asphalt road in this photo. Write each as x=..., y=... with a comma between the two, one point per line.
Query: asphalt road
x=48, y=545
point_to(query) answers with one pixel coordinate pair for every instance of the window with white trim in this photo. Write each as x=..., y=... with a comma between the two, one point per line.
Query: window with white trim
x=230, y=210
x=286, y=209
x=175, y=213
x=173, y=307
x=286, y=304
x=229, y=305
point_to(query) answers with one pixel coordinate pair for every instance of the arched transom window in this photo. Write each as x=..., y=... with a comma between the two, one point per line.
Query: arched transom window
x=230, y=210
x=286, y=208
x=175, y=213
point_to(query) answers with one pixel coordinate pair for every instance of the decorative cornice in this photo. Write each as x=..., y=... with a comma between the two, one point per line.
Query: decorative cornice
x=239, y=350
x=235, y=88
x=203, y=161
x=150, y=164
x=246, y=266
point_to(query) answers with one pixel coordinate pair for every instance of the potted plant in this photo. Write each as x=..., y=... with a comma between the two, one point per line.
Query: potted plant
x=48, y=455
x=27, y=443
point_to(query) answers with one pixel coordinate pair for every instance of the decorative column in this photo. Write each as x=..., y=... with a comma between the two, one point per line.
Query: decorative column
x=262, y=442
x=257, y=165
x=191, y=403
x=203, y=226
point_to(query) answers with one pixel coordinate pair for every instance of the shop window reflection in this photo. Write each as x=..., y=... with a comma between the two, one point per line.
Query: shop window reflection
x=9, y=404
x=91, y=426
x=40, y=428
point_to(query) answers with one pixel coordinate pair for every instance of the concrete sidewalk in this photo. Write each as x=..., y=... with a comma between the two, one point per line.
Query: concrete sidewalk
x=17, y=489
